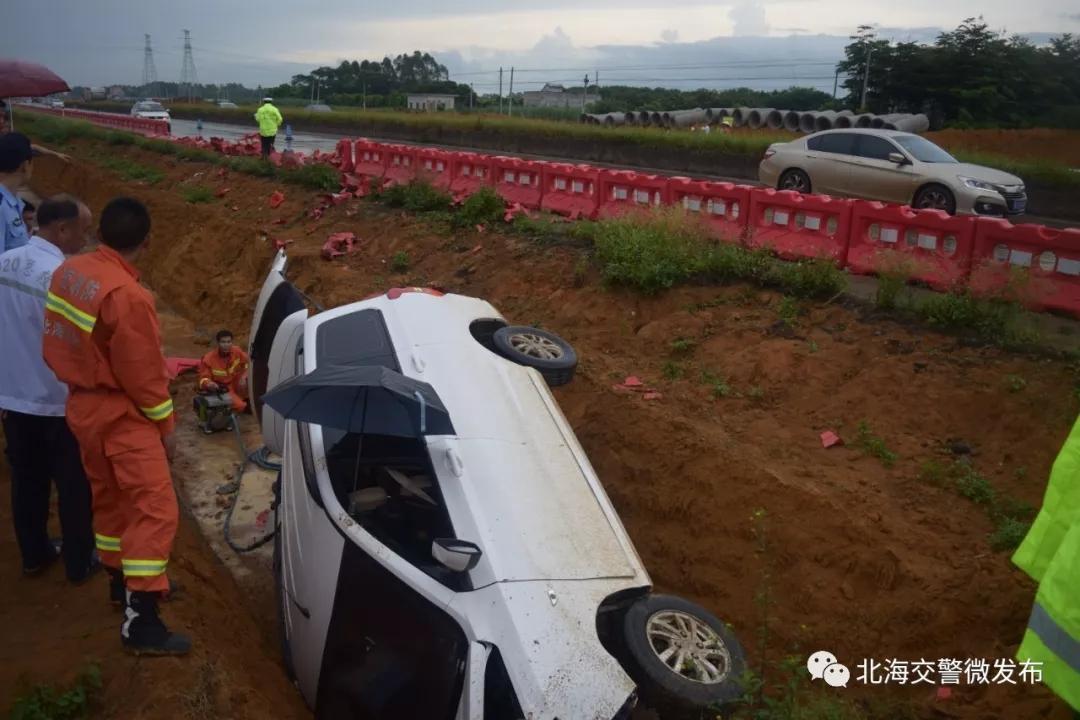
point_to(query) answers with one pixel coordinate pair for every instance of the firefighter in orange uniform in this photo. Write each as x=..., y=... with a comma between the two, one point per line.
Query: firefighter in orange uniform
x=225, y=370
x=102, y=339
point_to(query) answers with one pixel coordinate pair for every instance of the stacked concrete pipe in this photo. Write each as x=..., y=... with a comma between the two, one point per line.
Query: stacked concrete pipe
x=913, y=123
x=808, y=122
x=740, y=116
x=685, y=118
x=824, y=120
x=760, y=117
x=791, y=120
x=615, y=118
x=843, y=119
x=862, y=120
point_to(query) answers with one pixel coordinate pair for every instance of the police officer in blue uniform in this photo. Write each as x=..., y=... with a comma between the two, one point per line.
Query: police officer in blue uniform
x=16, y=167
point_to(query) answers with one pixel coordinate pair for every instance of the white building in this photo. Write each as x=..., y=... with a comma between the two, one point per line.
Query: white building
x=556, y=96
x=429, y=102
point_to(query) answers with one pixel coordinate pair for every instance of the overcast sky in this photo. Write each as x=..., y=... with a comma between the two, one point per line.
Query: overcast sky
x=689, y=43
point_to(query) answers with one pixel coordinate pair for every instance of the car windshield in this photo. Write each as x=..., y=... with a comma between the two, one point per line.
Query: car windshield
x=923, y=149
x=150, y=107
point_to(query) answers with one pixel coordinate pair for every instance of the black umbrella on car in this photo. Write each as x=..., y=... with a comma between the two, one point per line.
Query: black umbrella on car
x=366, y=399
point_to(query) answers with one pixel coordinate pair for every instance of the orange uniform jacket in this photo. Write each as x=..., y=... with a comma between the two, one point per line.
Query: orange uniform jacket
x=224, y=371
x=102, y=339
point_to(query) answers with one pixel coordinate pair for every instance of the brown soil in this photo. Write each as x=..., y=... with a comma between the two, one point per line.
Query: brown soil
x=1056, y=146
x=867, y=561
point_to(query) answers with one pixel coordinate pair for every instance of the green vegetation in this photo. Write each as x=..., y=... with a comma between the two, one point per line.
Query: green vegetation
x=718, y=383
x=197, y=194
x=789, y=311
x=45, y=702
x=314, y=177
x=970, y=75
x=893, y=273
x=483, y=207
x=131, y=170
x=683, y=346
x=755, y=392
x=871, y=444
x=399, y=263
x=416, y=196
x=997, y=320
x=1011, y=519
x=1015, y=383
x=673, y=370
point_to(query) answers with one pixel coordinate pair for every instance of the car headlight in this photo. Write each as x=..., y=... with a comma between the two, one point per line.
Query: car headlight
x=977, y=184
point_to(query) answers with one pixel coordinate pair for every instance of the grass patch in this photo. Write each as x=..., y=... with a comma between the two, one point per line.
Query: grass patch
x=416, y=196
x=251, y=166
x=871, y=444
x=1015, y=383
x=313, y=177
x=131, y=170
x=119, y=138
x=683, y=346
x=197, y=194
x=996, y=320
x=1011, y=518
x=673, y=370
x=45, y=702
x=653, y=253
x=581, y=271
x=789, y=311
x=718, y=385
x=809, y=278
x=400, y=263
x=484, y=207
x=893, y=275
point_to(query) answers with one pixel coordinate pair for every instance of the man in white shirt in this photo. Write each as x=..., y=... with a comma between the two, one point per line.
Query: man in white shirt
x=40, y=447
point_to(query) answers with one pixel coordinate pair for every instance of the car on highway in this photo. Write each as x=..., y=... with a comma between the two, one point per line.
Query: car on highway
x=227, y=105
x=890, y=166
x=318, y=107
x=443, y=548
x=151, y=110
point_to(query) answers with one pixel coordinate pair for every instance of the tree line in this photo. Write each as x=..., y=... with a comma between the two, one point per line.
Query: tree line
x=970, y=76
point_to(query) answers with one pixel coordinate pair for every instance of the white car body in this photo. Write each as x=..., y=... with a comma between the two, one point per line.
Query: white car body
x=150, y=110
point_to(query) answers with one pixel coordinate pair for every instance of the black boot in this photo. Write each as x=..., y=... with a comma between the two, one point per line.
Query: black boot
x=143, y=633
x=117, y=592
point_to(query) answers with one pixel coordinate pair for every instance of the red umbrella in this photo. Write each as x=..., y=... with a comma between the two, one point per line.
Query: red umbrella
x=23, y=79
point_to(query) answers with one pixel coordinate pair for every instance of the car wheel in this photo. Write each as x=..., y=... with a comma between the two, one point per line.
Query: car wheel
x=794, y=179
x=279, y=589
x=935, y=197
x=683, y=658
x=532, y=347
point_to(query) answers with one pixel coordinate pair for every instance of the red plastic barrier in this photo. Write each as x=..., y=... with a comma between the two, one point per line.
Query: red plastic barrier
x=345, y=156
x=725, y=207
x=400, y=163
x=518, y=181
x=369, y=158
x=798, y=226
x=623, y=191
x=434, y=166
x=1048, y=261
x=470, y=172
x=571, y=190
x=928, y=245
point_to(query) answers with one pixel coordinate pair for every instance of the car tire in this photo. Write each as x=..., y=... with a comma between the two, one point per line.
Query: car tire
x=279, y=590
x=548, y=353
x=935, y=196
x=794, y=179
x=648, y=626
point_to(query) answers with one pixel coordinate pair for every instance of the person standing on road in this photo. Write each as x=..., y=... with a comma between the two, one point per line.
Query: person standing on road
x=269, y=119
x=102, y=338
x=40, y=448
x=16, y=168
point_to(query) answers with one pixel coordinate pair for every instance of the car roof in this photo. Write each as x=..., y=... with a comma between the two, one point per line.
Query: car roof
x=863, y=131
x=526, y=483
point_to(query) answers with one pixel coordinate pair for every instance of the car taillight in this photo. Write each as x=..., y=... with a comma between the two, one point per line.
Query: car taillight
x=769, y=153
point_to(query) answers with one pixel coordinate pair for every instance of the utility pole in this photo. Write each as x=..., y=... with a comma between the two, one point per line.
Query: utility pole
x=149, y=72
x=472, y=94
x=584, y=91
x=364, y=97
x=510, y=99
x=836, y=79
x=188, y=77
x=500, y=91
x=866, y=78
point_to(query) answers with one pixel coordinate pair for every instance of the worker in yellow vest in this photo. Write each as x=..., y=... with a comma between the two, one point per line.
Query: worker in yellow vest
x=269, y=119
x=1050, y=554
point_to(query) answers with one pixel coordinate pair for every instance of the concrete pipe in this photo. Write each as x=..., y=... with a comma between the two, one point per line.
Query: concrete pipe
x=740, y=116
x=825, y=120
x=876, y=121
x=685, y=118
x=615, y=118
x=774, y=119
x=791, y=120
x=759, y=117
x=862, y=121
x=843, y=119
x=631, y=117
x=583, y=118
x=656, y=118
x=913, y=123
x=807, y=122
x=644, y=118
x=888, y=122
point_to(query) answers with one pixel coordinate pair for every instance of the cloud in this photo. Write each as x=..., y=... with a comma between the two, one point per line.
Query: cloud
x=748, y=18
x=670, y=36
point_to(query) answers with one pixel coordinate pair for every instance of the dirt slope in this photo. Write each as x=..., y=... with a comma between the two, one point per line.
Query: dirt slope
x=865, y=560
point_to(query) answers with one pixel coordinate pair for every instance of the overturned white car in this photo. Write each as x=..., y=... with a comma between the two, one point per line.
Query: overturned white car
x=444, y=548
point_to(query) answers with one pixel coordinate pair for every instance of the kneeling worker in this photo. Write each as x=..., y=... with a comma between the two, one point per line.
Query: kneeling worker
x=103, y=340
x=225, y=370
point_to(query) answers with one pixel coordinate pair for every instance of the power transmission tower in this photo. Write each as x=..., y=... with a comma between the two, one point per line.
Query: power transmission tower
x=188, y=78
x=149, y=72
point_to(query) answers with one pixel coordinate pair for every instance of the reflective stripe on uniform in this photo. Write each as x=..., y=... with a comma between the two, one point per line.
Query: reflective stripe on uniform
x=143, y=568
x=222, y=373
x=28, y=289
x=78, y=318
x=158, y=412
x=106, y=543
x=1055, y=637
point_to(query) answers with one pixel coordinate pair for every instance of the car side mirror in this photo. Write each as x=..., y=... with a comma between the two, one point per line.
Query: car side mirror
x=455, y=555
x=898, y=158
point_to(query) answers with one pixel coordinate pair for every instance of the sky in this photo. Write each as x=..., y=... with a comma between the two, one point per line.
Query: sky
x=685, y=44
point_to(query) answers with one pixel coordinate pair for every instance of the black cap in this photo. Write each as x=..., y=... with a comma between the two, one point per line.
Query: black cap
x=15, y=149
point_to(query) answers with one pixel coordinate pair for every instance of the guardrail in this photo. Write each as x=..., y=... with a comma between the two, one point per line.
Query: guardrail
x=143, y=126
